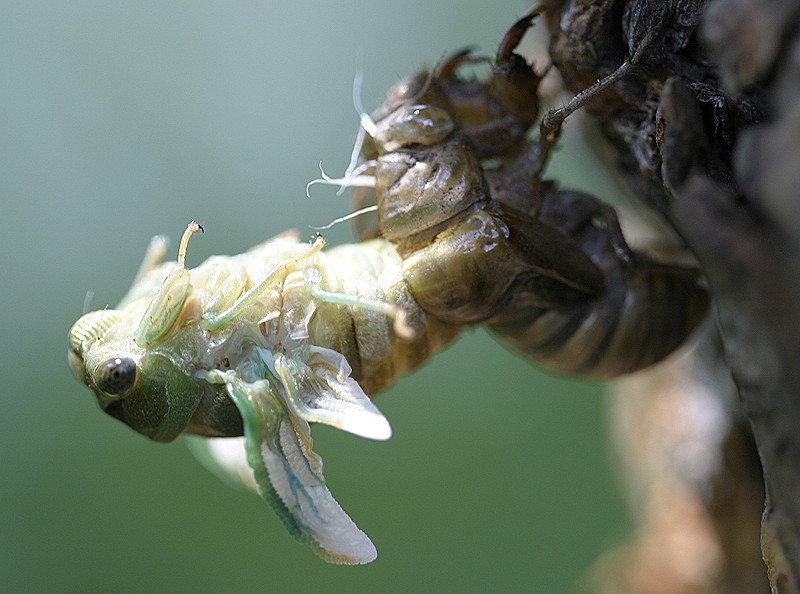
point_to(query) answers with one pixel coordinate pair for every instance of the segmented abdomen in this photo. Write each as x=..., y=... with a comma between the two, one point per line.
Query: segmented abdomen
x=373, y=269
x=646, y=313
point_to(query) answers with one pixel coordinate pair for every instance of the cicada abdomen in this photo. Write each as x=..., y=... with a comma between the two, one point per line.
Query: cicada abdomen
x=262, y=344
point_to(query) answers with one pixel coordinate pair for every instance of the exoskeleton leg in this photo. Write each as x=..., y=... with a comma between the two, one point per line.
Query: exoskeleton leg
x=509, y=100
x=513, y=79
x=571, y=211
x=550, y=127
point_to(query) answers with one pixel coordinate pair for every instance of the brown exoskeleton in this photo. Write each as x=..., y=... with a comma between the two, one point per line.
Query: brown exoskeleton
x=547, y=270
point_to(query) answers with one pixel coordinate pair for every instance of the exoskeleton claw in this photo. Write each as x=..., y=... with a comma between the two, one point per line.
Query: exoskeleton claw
x=514, y=36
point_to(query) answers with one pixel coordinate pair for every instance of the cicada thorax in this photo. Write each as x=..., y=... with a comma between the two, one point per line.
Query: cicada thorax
x=326, y=301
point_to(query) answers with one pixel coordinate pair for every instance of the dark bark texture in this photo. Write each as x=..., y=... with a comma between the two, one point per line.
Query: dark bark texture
x=706, y=130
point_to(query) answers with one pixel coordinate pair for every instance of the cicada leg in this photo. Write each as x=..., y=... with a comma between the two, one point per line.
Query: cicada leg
x=212, y=321
x=572, y=211
x=313, y=280
x=153, y=255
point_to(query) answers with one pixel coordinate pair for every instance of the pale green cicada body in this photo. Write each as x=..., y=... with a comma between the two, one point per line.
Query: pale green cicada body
x=261, y=344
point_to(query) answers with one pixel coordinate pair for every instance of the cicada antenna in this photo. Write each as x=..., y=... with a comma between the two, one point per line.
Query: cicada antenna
x=100, y=322
x=191, y=229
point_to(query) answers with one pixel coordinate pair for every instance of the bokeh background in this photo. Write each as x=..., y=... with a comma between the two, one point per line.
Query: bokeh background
x=119, y=121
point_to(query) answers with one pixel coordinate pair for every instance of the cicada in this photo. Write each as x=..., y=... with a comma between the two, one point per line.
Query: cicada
x=266, y=342
x=261, y=344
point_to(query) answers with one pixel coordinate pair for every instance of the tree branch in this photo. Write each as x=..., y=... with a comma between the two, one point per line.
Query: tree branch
x=707, y=131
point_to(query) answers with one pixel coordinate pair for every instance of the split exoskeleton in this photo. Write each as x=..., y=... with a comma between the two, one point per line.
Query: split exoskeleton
x=263, y=343
x=547, y=270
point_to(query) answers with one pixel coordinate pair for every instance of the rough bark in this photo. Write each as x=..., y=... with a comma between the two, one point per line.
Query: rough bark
x=706, y=130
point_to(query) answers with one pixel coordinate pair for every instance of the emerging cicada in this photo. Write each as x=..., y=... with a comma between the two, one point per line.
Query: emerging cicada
x=261, y=344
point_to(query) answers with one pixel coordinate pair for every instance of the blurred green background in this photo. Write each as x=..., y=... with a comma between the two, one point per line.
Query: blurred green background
x=119, y=121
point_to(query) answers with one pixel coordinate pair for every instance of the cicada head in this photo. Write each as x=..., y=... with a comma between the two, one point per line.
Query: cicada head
x=420, y=88
x=139, y=359
x=144, y=387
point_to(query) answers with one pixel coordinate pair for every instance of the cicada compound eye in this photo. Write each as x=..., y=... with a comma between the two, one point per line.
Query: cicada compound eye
x=117, y=376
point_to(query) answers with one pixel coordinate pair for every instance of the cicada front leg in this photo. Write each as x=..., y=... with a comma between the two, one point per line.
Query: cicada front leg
x=153, y=256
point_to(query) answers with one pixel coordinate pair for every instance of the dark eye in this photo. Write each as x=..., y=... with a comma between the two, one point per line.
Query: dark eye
x=116, y=376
